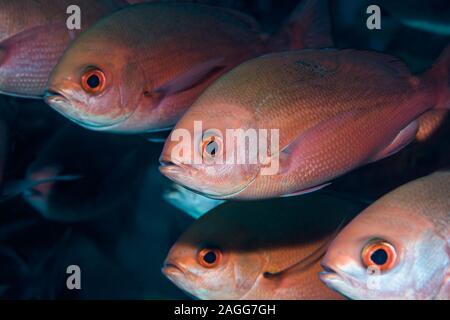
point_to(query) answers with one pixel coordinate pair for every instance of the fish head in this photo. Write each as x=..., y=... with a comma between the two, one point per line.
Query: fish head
x=207, y=152
x=97, y=83
x=386, y=253
x=213, y=259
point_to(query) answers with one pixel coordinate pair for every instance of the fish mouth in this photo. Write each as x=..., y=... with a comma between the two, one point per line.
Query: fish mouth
x=172, y=270
x=52, y=96
x=62, y=104
x=174, y=169
x=328, y=274
x=335, y=279
x=173, y=166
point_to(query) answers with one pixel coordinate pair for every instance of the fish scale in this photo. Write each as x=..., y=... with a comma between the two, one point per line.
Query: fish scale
x=178, y=50
x=264, y=255
x=415, y=220
x=335, y=110
x=30, y=59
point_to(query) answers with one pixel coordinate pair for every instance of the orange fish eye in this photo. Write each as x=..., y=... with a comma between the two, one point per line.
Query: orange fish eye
x=93, y=81
x=379, y=254
x=211, y=147
x=209, y=258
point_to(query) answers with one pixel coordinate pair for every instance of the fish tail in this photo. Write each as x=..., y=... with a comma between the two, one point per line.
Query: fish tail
x=439, y=77
x=308, y=26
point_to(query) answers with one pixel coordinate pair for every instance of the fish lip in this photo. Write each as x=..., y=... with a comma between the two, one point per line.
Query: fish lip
x=328, y=275
x=52, y=96
x=173, y=165
x=171, y=270
x=169, y=169
x=332, y=275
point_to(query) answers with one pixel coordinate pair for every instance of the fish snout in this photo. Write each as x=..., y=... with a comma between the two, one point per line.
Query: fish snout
x=53, y=97
x=328, y=273
x=173, y=270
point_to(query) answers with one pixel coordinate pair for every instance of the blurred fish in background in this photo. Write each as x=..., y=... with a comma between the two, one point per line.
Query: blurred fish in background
x=71, y=181
x=105, y=221
x=32, y=43
x=121, y=234
x=429, y=16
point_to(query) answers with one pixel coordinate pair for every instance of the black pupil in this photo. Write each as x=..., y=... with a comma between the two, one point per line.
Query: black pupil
x=210, y=257
x=93, y=81
x=211, y=148
x=379, y=257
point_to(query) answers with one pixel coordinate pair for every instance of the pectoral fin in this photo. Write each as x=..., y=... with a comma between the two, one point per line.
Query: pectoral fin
x=404, y=137
x=305, y=191
x=293, y=154
x=307, y=261
x=191, y=78
x=302, y=264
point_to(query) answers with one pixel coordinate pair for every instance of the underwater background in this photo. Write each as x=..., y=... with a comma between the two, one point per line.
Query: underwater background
x=122, y=250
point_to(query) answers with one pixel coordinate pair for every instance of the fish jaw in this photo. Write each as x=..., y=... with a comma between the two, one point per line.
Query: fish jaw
x=346, y=275
x=337, y=281
x=174, y=273
x=190, y=178
x=59, y=100
x=179, y=277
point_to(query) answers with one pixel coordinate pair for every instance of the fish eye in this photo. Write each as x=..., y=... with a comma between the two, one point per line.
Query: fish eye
x=211, y=146
x=93, y=81
x=379, y=254
x=209, y=258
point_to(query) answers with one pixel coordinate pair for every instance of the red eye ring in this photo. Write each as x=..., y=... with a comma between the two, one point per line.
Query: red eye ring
x=209, y=258
x=93, y=81
x=379, y=254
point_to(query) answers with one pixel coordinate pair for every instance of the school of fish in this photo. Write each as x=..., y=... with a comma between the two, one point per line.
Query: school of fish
x=302, y=113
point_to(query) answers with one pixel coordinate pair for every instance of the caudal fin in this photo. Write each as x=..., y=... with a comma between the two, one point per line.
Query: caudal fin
x=308, y=26
x=439, y=76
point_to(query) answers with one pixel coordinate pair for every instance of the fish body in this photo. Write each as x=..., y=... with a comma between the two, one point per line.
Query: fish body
x=141, y=68
x=412, y=223
x=259, y=254
x=334, y=110
x=32, y=43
